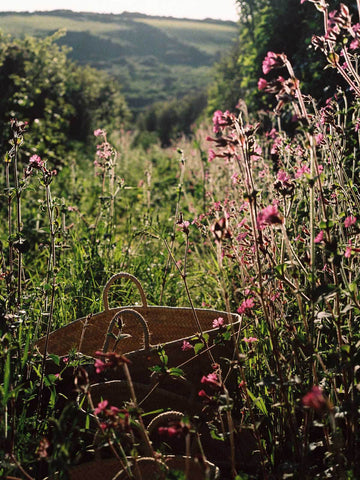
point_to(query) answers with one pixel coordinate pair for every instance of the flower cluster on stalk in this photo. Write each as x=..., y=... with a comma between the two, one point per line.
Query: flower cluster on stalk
x=108, y=360
x=111, y=417
x=36, y=163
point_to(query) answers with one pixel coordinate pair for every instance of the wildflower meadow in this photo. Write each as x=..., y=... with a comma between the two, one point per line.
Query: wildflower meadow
x=189, y=311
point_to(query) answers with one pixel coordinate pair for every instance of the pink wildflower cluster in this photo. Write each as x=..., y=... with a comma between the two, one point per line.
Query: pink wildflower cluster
x=286, y=90
x=35, y=162
x=212, y=380
x=273, y=60
x=183, y=225
x=109, y=360
x=99, y=132
x=319, y=237
x=301, y=170
x=315, y=399
x=269, y=215
x=222, y=120
x=175, y=429
x=227, y=142
x=42, y=450
x=350, y=249
x=284, y=183
x=218, y=322
x=110, y=417
x=339, y=24
x=250, y=340
x=186, y=346
x=349, y=221
x=246, y=306
x=104, y=151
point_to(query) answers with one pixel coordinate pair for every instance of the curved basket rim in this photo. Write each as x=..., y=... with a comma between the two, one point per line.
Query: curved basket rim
x=116, y=310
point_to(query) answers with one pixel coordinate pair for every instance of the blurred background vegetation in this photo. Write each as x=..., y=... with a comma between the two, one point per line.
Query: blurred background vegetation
x=68, y=73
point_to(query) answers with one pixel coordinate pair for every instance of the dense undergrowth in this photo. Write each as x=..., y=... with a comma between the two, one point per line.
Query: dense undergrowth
x=259, y=219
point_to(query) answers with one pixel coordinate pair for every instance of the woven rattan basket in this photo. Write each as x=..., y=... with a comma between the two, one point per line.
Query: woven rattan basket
x=143, y=329
x=149, y=398
x=148, y=468
x=164, y=324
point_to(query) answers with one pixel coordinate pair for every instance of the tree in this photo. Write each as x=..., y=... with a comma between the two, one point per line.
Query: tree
x=61, y=101
x=281, y=26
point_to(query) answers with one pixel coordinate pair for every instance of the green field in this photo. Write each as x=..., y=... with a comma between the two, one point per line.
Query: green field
x=154, y=58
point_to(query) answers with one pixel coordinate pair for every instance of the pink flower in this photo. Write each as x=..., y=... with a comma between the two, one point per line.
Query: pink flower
x=112, y=360
x=211, y=155
x=250, y=339
x=211, y=379
x=348, y=250
x=218, y=322
x=36, y=162
x=314, y=399
x=99, y=365
x=349, y=221
x=221, y=120
x=319, y=237
x=235, y=178
x=272, y=60
x=283, y=176
x=114, y=410
x=186, y=346
x=184, y=226
x=319, y=138
x=42, y=450
x=354, y=44
x=202, y=393
x=268, y=216
x=170, y=431
x=101, y=407
x=98, y=132
x=272, y=134
x=246, y=306
x=262, y=84
x=301, y=170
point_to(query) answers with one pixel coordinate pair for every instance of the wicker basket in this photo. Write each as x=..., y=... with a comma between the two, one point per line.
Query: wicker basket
x=149, y=399
x=149, y=468
x=142, y=330
x=164, y=325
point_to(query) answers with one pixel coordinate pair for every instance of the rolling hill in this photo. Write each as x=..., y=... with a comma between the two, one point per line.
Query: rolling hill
x=154, y=58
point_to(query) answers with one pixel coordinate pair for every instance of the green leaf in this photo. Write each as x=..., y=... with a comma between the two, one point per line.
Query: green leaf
x=280, y=269
x=55, y=358
x=259, y=402
x=198, y=347
x=352, y=287
x=326, y=224
x=6, y=378
x=25, y=352
x=176, y=372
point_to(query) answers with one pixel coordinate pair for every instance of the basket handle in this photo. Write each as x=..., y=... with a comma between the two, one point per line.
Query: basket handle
x=129, y=277
x=139, y=317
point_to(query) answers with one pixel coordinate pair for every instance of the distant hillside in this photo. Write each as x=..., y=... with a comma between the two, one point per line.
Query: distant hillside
x=155, y=58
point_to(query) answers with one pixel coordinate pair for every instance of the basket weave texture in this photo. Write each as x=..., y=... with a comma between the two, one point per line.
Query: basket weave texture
x=163, y=325
x=109, y=469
